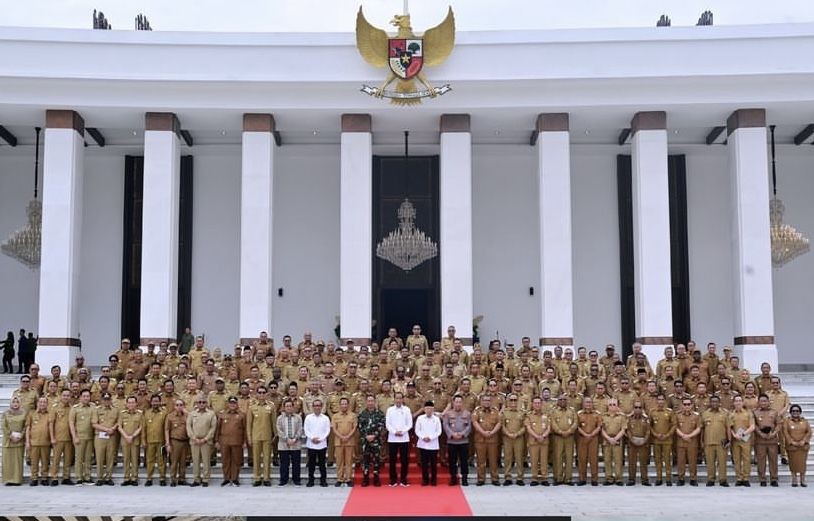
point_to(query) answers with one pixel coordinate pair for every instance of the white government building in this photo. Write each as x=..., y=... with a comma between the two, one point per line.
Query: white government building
x=583, y=187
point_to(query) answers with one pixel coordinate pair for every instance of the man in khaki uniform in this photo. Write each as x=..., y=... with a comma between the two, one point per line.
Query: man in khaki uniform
x=614, y=425
x=176, y=439
x=538, y=428
x=38, y=441
x=589, y=426
x=741, y=427
x=343, y=428
x=61, y=440
x=563, y=426
x=688, y=427
x=662, y=428
x=80, y=419
x=131, y=424
x=638, y=436
x=27, y=394
x=201, y=425
x=716, y=437
x=154, y=441
x=512, y=421
x=768, y=423
x=105, y=422
x=260, y=420
x=486, y=421
x=231, y=438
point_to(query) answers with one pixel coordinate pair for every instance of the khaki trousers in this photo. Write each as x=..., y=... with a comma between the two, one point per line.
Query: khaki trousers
x=588, y=453
x=232, y=460
x=742, y=457
x=178, y=459
x=663, y=454
x=344, y=462
x=487, y=454
x=155, y=457
x=201, y=463
x=84, y=456
x=637, y=455
x=764, y=452
x=715, y=456
x=261, y=460
x=539, y=461
x=130, y=451
x=105, y=457
x=63, y=450
x=563, y=458
x=39, y=461
x=687, y=453
x=613, y=462
x=513, y=453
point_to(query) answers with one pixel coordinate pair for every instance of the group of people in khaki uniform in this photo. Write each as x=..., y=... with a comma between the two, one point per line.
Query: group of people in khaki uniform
x=532, y=413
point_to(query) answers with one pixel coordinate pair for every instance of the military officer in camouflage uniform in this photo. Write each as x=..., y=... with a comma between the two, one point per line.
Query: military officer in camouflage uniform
x=371, y=425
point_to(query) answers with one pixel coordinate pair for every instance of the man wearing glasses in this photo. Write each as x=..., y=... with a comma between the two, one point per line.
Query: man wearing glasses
x=177, y=442
x=201, y=425
x=688, y=427
x=638, y=435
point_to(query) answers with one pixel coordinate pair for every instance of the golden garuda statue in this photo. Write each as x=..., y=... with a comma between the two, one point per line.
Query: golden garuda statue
x=406, y=54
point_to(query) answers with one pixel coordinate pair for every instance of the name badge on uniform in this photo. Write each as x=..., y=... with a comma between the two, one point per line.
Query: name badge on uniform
x=103, y=435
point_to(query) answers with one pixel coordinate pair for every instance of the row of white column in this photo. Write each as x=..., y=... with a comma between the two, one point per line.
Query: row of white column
x=62, y=211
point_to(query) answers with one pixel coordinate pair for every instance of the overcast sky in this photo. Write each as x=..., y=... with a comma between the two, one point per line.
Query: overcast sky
x=339, y=15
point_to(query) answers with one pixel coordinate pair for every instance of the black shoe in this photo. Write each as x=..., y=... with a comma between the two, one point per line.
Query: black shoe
x=680, y=483
x=80, y=482
x=774, y=483
x=520, y=483
x=425, y=483
x=125, y=484
x=646, y=483
x=629, y=483
x=453, y=482
x=495, y=482
x=338, y=484
x=804, y=485
x=620, y=484
x=594, y=483
x=365, y=480
x=323, y=483
x=284, y=483
x=33, y=483
x=183, y=483
x=310, y=483
x=330, y=464
x=225, y=482
x=99, y=483
x=581, y=483
x=506, y=483
x=195, y=484
x=480, y=483
x=349, y=484
x=794, y=484
x=45, y=482
x=204, y=484
x=784, y=461
x=544, y=483
x=738, y=483
x=608, y=483
x=173, y=484
x=669, y=483
x=659, y=482
x=747, y=484
x=533, y=484
x=693, y=483
x=267, y=483
x=162, y=483
x=710, y=483
x=68, y=482
x=377, y=482
x=148, y=483
x=724, y=484
x=762, y=483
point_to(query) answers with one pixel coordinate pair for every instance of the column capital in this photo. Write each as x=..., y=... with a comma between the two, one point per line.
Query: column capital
x=258, y=123
x=162, y=121
x=455, y=123
x=357, y=123
x=745, y=118
x=552, y=122
x=654, y=120
x=65, y=119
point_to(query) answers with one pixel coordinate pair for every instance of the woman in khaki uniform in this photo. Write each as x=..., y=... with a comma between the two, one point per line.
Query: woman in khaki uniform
x=13, y=443
x=798, y=437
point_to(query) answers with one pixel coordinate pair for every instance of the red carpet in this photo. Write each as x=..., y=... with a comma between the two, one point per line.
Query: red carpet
x=414, y=500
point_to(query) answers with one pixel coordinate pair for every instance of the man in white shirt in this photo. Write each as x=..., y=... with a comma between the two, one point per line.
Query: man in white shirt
x=399, y=421
x=316, y=428
x=427, y=430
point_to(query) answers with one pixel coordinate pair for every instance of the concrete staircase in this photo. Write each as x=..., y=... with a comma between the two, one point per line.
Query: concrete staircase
x=800, y=387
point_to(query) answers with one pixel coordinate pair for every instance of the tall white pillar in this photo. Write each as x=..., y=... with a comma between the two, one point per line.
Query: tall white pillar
x=159, y=247
x=256, y=226
x=356, y=229
x=651, y=234
x=751, y=245
x=455, y=246
x=556, y=284
x=63, y=176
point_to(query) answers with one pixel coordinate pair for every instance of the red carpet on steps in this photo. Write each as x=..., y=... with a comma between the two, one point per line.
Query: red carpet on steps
x=414, y=500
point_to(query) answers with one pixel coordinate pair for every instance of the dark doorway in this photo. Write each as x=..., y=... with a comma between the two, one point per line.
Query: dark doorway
x=679, y=253
x=403, y=298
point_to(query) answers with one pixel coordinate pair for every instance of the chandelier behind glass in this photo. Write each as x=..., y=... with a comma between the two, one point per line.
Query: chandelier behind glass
x=406, y=246
x=24, y=244
x=787, y=242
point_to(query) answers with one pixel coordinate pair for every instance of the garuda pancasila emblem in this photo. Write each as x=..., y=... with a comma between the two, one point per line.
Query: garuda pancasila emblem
x=406, y=54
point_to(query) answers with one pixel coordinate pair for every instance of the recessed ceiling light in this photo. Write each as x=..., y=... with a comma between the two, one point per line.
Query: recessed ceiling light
x=222, y=132
x=316, y=132
x=135, y=133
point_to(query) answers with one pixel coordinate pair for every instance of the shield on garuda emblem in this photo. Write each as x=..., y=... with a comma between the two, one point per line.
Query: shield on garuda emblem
x=406, y=57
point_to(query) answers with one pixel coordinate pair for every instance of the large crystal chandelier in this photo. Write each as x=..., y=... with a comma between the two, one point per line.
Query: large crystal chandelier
x=787, y=242
x=24, y=244
x=406, y=246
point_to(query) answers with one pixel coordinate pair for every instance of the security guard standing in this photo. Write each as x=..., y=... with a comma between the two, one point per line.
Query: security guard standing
x=131, y=424
x=662, y=428
x=563, y=426
x=154, y=441
x=716, y=438
x=260, y=421
x=538, y=428
x=614, y=425
x=512, y=422
x=80, y=420
x=638, y=437
x=38, y=441
x=486, y=421
x=106, y=424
